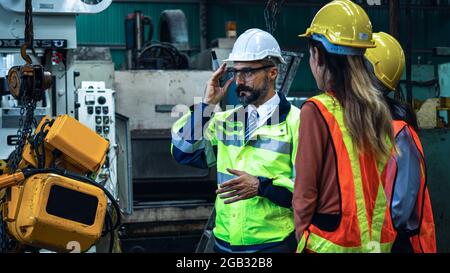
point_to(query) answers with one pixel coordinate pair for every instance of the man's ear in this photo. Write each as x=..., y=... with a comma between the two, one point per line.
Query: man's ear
x=273, y=73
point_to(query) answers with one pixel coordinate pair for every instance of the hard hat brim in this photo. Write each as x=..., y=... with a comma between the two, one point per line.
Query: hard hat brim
x=304, y=35
x=281, y=60
x=307, y=34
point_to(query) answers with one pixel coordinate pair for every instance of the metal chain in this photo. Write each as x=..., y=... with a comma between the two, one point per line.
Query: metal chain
x=27, y=121
x=27, y=104
x=29, y=34
x=271, y=13
x=24, y=133
x=4, y=240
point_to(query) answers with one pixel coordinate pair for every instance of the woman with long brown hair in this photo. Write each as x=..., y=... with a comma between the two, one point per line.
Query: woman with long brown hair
x=345, y=140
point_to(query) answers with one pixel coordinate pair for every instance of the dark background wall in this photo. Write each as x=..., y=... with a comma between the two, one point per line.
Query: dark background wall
x=430, y=26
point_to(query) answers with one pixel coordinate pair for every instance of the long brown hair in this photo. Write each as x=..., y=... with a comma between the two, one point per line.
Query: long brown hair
x=366, y=115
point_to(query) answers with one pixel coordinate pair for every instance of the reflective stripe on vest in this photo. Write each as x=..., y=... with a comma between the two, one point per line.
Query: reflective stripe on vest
x=235, y=138
x=265, y=144
x=257, y=220
x=224, y=177
x=269, y=153
x=185, y=146
x=316, y=242
x=363, y=200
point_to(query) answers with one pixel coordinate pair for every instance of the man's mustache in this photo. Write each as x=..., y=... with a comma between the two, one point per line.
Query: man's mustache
x=243, y=88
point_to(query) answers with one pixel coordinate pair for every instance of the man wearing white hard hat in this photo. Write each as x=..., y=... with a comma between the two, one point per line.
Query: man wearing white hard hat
x=253, y=147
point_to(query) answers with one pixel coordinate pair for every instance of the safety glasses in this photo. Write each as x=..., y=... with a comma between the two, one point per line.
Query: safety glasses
x=246, y=73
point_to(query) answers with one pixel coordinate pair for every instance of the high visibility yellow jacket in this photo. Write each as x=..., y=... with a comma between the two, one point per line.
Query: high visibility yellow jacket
x=269, y=154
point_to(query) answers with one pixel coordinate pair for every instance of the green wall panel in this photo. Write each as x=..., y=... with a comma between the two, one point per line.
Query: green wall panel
x=118, y=57
x=107, y=27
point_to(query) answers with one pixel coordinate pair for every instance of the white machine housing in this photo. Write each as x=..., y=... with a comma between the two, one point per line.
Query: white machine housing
x=96, y=110
x=54, y=27
x=58, y=6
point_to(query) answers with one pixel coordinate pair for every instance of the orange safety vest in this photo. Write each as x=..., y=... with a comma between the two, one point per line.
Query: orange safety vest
x=364, y=207
x=424, y=241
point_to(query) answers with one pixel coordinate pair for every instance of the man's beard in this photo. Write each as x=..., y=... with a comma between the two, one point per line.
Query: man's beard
x=247, y=95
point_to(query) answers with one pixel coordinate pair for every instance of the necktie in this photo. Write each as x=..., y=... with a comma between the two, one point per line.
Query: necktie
x=252, y=123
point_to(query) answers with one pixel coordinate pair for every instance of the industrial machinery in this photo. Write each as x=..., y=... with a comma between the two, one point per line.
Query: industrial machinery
x=96, y=110
x=52, y=201
x=168, y=52
x=54, y=42
x=50, y=197
x=95, y=95
x=171, y=202
x=431, y=94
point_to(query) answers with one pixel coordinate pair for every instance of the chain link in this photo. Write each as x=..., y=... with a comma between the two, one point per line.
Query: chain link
x=24, y=133
x=27, y=104
x=27, y=123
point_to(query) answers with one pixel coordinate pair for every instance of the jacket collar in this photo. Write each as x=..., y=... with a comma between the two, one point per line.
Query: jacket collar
x=282, y=110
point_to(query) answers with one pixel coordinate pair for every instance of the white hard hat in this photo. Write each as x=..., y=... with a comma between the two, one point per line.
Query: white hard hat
x=254, y=45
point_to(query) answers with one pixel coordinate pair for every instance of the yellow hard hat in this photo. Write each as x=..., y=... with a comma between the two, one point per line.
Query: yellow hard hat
x=387, y=59
x=343, y=23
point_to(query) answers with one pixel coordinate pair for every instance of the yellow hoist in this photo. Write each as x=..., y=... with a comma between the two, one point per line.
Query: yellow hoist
x=50, y=198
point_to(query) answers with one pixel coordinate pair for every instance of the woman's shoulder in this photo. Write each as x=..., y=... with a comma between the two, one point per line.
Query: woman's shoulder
x=309, y=110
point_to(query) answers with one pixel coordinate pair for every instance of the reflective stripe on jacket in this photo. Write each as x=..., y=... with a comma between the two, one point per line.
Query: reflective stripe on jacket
x=268, y=154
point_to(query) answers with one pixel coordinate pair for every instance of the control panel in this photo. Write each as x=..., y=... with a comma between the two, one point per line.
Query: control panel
x=96, y=109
